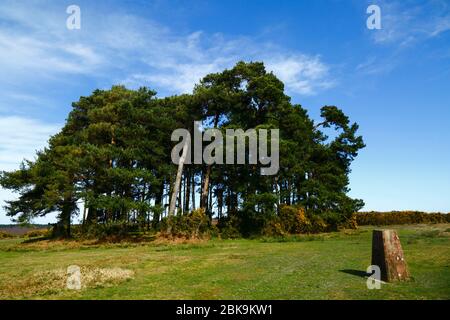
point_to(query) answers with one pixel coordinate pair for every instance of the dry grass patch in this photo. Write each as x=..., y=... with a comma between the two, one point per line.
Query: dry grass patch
x=50, y=282
x=162, y=238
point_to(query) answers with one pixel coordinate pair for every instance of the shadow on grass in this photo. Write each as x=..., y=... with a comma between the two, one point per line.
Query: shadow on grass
x=36, y=239
x=357, y=273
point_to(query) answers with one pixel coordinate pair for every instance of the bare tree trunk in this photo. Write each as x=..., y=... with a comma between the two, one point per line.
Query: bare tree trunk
x=219, y=202
x=176, y=186
x=183, y=201
x=158, y=202
x=204, y=197
x=193, y=191
x=180, y=200
x=210, y=203
x=289, y=192
x=84, y=211
x=187, y=191
x=228, y=201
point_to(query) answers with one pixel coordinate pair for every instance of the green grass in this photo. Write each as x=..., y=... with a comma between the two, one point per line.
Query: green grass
x=301, y=267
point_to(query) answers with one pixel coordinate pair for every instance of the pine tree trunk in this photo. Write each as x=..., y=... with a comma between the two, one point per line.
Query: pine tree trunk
x=176, y=186
x=187, y=191
x=84, y=213
x=219, y=203
x=193, y=191
x=180, y=200
x=204, y=197
x=210, y=202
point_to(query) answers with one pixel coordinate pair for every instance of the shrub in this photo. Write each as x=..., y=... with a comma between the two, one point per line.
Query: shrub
x=318, y=224
x=37, y=233
x=350, y=223
x=274, y=229
x=400, y=217
x=228, y=227
x=5, y=235
x=258, y=211
x=195, y=224
x=293, y=219
x=119, y=229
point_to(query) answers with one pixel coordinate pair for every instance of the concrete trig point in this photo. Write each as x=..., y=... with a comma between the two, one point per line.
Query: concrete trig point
x=387, y=253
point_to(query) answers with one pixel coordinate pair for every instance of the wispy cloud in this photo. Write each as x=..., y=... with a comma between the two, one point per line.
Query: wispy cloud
x=405, y=25
x=36, y=47
x=22, y=55
x=376, y=65
x=302, y=74
x=409, y=22
x=137, y=51
x=20, y=138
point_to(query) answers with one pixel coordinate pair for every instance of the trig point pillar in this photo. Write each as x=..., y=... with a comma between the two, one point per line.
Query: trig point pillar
x=387, y=253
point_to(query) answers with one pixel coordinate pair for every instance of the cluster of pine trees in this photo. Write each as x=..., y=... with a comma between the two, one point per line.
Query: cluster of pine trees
x=113, y=158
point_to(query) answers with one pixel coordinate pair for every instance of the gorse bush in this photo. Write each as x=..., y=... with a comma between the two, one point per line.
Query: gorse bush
x=292, y=220
x=195, y=224
x=400, y=217
x=288, y=220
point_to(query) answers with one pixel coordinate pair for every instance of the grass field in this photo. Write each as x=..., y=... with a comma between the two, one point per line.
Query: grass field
x=327, y=266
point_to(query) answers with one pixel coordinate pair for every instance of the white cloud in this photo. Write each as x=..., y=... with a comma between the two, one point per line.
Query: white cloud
x=405, y=23
x=178, y=78
x=35, y=45
x=20, y=138
x=22, y=55
x=301, y=73
x=137, y=51
x=179, y=71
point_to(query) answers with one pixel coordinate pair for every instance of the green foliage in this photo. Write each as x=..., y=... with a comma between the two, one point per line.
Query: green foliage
x=400, y=217
x=116, y=230
x=229, y=227
x=195, y=224
x=114, y=155
x=293, y=219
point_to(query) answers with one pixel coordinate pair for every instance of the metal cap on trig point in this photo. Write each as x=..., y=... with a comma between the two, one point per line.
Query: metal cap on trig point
x=387, y=253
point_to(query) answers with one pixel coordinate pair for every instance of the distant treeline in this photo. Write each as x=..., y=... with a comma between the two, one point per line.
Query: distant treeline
x=400, y=217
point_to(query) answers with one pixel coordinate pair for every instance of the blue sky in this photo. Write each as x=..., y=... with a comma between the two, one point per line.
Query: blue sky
x=395, y=82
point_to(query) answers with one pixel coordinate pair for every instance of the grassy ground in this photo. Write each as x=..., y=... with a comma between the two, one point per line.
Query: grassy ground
x=326, y=266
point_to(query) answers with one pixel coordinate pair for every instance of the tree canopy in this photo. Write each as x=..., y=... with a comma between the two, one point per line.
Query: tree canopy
x=113, y=158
